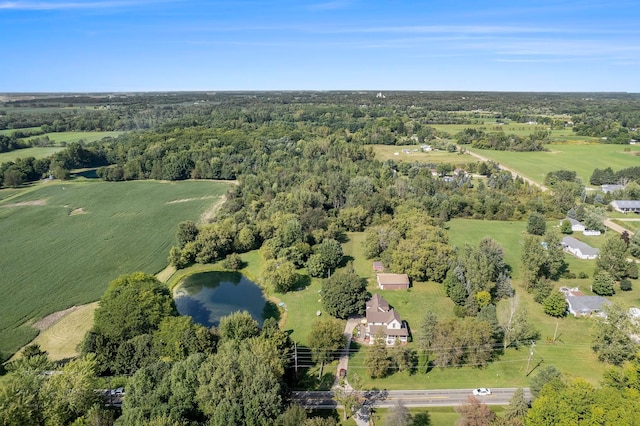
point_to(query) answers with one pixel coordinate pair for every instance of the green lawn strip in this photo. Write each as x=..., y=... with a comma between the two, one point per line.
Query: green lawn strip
x=633, y=226
x=582, y=158
x=65, y=251
x=437, y=416
x=36, y=152
x=9, y=132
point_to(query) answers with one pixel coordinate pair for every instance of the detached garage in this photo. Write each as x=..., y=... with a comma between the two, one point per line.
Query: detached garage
x=393, y=281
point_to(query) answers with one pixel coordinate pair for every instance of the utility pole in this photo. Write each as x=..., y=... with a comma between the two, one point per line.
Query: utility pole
x=533, y=345
x=295, y=356
x=555, y=332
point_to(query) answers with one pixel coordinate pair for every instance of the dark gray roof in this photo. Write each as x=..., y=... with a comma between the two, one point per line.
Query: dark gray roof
x=586, y=249
x=586, y=304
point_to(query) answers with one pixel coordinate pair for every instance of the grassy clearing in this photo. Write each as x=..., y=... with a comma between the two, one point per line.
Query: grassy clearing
x=53, y=259
x=61, y=340
x=37, y=152
x=387, y=152
x=9, y=132
x=509, y=235
x=68, y=137
x=582, y=158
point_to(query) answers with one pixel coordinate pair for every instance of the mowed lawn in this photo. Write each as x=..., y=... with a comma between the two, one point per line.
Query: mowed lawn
x=582, y=158
x=62, y=242
x=36, y=152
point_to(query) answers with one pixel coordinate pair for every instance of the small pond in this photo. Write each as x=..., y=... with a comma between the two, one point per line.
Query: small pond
x=208, y=296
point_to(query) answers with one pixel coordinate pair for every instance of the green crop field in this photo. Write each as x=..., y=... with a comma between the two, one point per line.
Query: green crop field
x=582, y=158
x=37, y=152
x=62, y=242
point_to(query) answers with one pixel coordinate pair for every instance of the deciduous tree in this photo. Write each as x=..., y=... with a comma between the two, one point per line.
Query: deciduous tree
x=327, y=339
x=474, y=413
x=613, y=257
x=555, y=304
x=603, y=283
x=344, y=294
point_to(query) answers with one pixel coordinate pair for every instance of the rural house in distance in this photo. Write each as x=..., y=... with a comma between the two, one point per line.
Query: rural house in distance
x=384, y=320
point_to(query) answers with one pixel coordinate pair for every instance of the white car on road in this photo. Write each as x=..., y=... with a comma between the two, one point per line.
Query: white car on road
x=482, y=391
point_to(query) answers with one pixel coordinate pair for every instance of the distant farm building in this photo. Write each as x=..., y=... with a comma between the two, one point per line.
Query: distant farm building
x=393, y=281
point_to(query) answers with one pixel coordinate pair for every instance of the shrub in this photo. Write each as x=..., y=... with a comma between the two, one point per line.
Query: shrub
x=536, y=225
x=232, y=262
x=625, y=285
x=555, y=304
x=583, y=275
x=603, y=283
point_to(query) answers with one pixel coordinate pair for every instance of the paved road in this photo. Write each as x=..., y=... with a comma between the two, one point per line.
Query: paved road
x=410, y=398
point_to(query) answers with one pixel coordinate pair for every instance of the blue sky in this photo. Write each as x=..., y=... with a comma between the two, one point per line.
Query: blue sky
x=144, y=45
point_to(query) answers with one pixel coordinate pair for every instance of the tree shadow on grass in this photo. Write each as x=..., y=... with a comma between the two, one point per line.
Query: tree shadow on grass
x=271, y=310
x=303, y=282
x=345, y=261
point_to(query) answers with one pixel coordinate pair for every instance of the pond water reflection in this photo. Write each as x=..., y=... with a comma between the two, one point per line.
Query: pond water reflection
x=208, y=296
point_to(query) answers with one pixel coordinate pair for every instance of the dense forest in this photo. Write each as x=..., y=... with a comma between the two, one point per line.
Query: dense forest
x=306, y=175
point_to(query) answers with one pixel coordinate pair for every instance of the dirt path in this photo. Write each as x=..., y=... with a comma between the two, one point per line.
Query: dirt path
x=210, y=213
x=530, y=181
x=53, y=318
x=619, y=229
